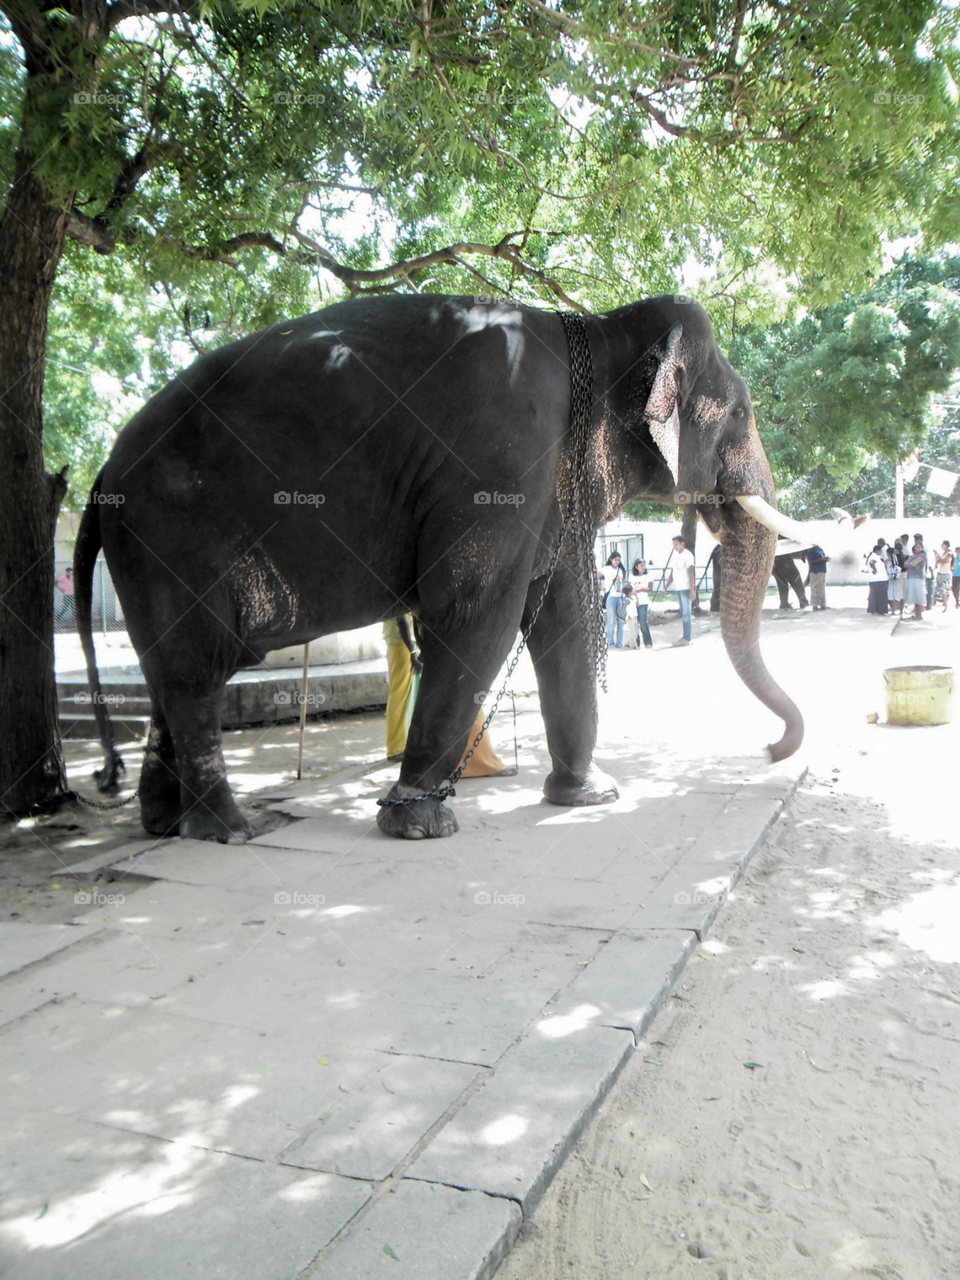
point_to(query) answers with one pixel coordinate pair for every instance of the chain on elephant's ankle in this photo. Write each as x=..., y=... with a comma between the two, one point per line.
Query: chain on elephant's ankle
x=440, y=792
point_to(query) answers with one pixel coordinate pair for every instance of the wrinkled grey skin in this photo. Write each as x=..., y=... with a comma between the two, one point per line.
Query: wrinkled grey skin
x=392, y=414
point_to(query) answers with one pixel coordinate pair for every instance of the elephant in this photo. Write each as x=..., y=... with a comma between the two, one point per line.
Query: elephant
x=787, y=575
x=229, y=506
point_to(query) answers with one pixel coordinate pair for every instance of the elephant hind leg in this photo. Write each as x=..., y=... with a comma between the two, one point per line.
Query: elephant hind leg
x=186, y=685
x=209, y=811
x=160, y=807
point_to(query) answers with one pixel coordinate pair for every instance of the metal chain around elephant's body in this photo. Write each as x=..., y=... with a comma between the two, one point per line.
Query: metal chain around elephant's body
x=580, y=496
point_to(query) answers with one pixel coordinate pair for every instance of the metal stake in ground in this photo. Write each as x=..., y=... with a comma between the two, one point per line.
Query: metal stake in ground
x=303, y=705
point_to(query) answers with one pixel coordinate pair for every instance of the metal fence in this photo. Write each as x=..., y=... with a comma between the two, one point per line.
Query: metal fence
x=107, y=613
x=629, y=545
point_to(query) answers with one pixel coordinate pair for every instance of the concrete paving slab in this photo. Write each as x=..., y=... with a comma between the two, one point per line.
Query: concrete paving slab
x=434, y=1233
x=26, y=944
x=101, y=861
x=203, y=913
x=20, y=995
x=81, y=1201
x=586, y=904
x=128, y=969
x=367, y=1133
x=514, y=1132
x=236, y=1090
x=64, y=1056
x=690, y=896
x=190, y=861
x=459, y=1017
x=627, y=982
x=742, y=825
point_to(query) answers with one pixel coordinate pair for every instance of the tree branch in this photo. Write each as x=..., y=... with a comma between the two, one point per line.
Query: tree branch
x=95, y=233
x=121, y=9
x=101, y=237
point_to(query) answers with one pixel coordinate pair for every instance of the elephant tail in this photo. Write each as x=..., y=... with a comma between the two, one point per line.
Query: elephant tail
x=85, y=552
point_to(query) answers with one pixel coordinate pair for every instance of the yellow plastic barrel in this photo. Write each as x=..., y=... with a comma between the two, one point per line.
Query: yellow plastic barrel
x=918, y=695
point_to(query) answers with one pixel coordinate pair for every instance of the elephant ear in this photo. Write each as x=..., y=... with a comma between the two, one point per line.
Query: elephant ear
x=661, y=409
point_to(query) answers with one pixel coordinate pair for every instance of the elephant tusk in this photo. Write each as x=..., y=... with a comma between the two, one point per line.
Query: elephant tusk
x=768, y=516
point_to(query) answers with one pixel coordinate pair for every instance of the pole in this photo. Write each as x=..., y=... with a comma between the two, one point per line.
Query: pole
x=663, y=574
x=899, y=497
x=303, y=706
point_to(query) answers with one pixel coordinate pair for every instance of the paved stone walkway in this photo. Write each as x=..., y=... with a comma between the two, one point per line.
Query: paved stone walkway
x=329, y=1054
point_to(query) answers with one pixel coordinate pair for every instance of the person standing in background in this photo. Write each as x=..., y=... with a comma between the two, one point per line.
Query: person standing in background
x=931, y=572
x=614, y=576
x=627, y=612
x=403, y=670
x=65, y=583
x=944, y=573
x=642, y=583
x=956, y=577
x=817, y=562
x=895, y=583
x=876, y=566
x=916, y=573
x=686, y=587
x=403, y=663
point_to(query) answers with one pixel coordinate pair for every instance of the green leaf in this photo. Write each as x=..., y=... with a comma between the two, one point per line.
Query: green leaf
x=390, y=1253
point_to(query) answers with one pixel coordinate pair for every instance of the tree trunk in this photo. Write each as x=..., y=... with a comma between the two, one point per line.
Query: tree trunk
x=32, y=772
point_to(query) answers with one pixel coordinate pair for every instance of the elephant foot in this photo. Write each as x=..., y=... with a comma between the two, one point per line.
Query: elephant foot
x=108, y=777
x=416, y=819
x=216, y=817
x=596, y=788
x=160, y=822
x=160, y=807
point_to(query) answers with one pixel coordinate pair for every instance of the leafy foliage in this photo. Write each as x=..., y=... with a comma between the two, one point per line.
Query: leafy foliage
x=852, y=383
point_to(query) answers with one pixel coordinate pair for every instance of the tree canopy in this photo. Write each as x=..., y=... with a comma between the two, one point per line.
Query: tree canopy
x=854, y=385
x=249, y=161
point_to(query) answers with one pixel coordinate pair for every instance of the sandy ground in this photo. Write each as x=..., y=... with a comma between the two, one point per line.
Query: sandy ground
x=794, y=1111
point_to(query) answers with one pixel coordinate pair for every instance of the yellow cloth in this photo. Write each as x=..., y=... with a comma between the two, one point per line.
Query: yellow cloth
x=484, y=760
x=400, y=675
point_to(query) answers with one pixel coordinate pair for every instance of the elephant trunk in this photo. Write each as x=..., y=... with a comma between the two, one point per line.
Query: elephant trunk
x=748, y=552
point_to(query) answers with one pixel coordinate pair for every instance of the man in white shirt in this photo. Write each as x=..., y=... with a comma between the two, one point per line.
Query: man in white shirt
x=686, y=587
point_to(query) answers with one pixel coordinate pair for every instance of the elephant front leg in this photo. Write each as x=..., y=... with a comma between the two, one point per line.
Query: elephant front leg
x=568, y=696
x=458, y=665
